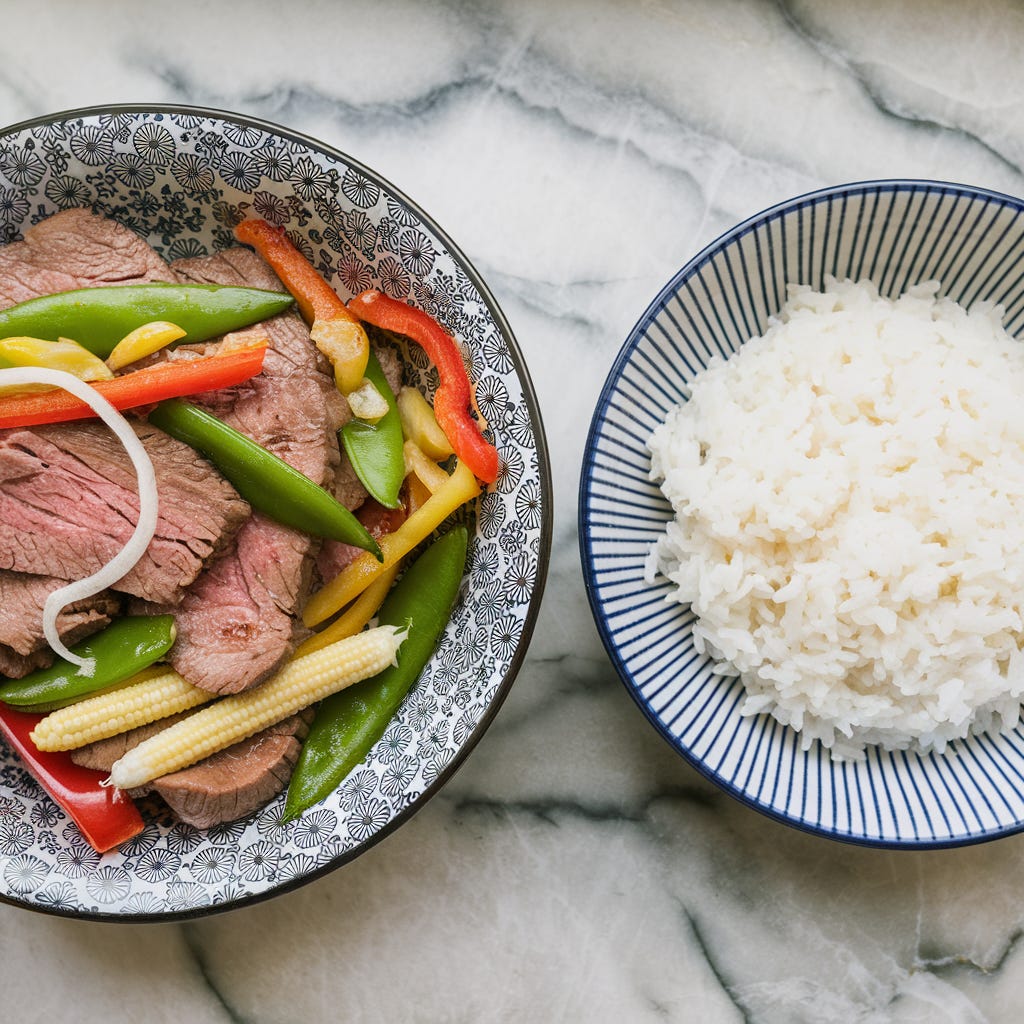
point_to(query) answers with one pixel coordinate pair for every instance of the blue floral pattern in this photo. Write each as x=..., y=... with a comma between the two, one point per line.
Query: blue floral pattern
x=182, y=179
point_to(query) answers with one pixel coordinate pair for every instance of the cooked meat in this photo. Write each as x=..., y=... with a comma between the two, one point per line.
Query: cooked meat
x=237, y=781
x=347, y=487
x=378, y=520
x=75, y=249
x=391, y=366
x=226, y=786
x=22, y=644
x=72, y=249
x=14, y=665
x=238, y=623
x=69, y=502
x=101, y=755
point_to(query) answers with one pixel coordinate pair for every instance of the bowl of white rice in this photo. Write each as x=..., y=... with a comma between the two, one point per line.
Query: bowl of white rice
x=802, y=513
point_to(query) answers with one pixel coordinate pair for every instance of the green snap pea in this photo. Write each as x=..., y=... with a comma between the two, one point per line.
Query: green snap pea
x=350, y=722
x=375, y=449
x=125, y=647
x=98, y=318
x=268, y=483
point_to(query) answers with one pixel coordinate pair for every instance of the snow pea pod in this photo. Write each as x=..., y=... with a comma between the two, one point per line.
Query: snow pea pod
x=350, y=722
x=375, y=449
x=98, y=318
x=125, y=647
x=267, y=482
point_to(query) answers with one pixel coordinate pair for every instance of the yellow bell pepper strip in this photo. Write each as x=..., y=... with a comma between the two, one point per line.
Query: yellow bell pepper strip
x=106, y=817
x=143, y=387
x=267, y=482
x=63, y=354
x=99, y=318
x=420, y=426
x=429, y=473
x=355, y=616
x=461, y=487
x=348, y=723
x=142, y=342
x=337, y=333
x=454, y=397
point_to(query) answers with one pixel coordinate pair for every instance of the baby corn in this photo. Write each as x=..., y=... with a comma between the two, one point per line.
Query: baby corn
x=117, y=711
x=301, y=682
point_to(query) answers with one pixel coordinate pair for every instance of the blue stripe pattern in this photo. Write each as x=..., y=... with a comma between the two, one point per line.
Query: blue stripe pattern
x=897, y=234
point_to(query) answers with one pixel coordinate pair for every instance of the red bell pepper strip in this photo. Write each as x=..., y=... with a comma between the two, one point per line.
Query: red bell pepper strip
x=454, y=397
x=142, y=387
x=105, y=816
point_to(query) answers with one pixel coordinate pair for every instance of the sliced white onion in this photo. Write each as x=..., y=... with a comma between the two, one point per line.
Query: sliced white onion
x=124, y=561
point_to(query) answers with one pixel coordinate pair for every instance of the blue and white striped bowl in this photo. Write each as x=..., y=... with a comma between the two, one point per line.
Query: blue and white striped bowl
x=896, y=234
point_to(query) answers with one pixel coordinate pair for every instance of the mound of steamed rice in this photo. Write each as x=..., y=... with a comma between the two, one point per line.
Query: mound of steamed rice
x=849, y=518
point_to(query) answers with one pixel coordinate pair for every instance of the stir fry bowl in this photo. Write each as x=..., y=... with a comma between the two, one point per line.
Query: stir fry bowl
x=895, y=234
x=182, y=177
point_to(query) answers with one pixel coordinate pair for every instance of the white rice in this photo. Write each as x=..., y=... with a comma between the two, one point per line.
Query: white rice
x=849, y=518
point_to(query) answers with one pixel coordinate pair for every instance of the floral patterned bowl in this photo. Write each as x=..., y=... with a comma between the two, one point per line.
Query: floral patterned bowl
x=181, y=178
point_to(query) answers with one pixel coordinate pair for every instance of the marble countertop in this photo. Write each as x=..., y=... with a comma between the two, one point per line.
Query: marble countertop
x=575, y=868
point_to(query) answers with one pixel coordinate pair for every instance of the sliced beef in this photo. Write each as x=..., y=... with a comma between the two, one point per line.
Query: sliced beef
x=14, y=665
x=237, y=781
x=347, y=487
x=75, y=249
x=237, y=623
x=22, y=644
x=390, y=365
x=229, y=785
x=72, y=249
x=69, y=502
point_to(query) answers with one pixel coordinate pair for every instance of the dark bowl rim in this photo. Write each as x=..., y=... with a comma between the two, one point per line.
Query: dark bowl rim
x=543, y=467
x=744, y=227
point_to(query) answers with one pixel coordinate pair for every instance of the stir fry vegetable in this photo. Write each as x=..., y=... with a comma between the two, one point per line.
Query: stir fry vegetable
x=99, y=318
x=142, y=342
x=117, y=711
x=420, y=425
x=105, y=817
x=145, y=527
x=348, y=723
x=299, y=684
x=454, y=397
x=391, y=440
x=268, y=483
x=64, y=355
x=143, y=387
x=356, y=577
x=375, y=449
x=334, y=329
x=117, y=653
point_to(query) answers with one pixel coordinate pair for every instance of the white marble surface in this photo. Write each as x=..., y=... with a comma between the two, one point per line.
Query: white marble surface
x=575, y=868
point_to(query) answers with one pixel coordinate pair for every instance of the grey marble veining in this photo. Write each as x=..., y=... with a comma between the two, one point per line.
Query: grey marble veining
x=575, y=869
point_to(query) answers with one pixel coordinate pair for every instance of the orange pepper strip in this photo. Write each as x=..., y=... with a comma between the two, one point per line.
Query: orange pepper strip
x=319, y=304
x=143, y=387
x=316, y=299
